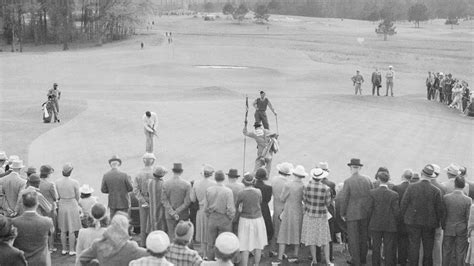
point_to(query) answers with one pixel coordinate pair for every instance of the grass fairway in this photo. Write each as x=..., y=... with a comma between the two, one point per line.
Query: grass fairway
x=304, y=65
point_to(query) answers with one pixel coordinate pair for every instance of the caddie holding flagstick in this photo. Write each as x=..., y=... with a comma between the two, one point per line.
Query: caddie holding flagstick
x=150, y=123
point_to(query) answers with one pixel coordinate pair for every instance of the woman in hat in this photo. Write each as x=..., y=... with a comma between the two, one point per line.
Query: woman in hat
x=292, y=215
x=9, y=255
x=97, y=222
x=317, y=198
x=69, y=220
x=266, y=190
x=114, y=248
x=252, y=232
x=86, y=201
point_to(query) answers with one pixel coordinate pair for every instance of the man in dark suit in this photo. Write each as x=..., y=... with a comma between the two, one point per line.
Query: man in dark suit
x=355, y=198
x=117, y=184
x=33, y=232
x=402, y=234
x=384, y=211
x=422, y=210
x=455, y=223
x=438, y=241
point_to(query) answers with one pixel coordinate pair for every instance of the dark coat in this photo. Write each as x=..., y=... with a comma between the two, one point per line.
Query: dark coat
x=11, y=256
x=355, y=197
x=332, y=187
x=266, y=197
x=117, y=184
x=401, y=189
x=384, y=210
x=33, y=232
x=422, y=205
x=458, y=207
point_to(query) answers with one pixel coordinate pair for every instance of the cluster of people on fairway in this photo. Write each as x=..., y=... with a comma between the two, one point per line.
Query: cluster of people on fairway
x=450, y=91
x=358, y=80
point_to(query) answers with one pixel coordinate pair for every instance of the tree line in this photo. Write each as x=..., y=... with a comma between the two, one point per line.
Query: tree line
x=65, y=21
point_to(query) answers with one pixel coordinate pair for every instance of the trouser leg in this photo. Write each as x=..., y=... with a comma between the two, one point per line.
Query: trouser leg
x=414, y=237
x=389, y=240
x=354, y=239
x=149, y=141
x=265, y=120
x=363, y=240
x=437, y=246
x=144, y=223
x=377, y=245
x=428, y=238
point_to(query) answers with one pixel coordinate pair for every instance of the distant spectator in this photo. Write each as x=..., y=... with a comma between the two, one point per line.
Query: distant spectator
x=33, y=231
x=32, y=184
x=179, y=253
x=357, y=81
x=97, y=222
x=115, y=247
x=198, y=194
x=117, y=184
x=389, y=77
x=140, y=189
x=155, y=190
x=11, y=186
x=9, y=254
x=69, y=221
x=48, y=190
x=157, y=243
x=176, y=199
x=454, y=223
x=376, y=81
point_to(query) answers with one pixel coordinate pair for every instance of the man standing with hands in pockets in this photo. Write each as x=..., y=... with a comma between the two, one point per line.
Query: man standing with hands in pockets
x=150, y=123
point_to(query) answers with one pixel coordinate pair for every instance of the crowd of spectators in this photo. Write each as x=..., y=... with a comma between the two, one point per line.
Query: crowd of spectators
x=454, y=93
x=234, y=220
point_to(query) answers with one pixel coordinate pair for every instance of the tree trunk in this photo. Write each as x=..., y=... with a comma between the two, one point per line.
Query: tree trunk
x=66, y=26
x=20, y=30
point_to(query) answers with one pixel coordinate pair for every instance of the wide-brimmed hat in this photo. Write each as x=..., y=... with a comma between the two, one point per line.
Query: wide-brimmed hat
x=318, y=173
x=115, y=158
x=285, y=168
x=355, y=161
x=261, y=174
x=428, y=171
x=452, y=169
x=30, y=170
x=177, y=168
x=227, y=243
x=3, y=156
x=300, y=172
x=86, y=189
x=17, y=164
x=324, y=166
x=46, y=169
x=248, y=179
x=233, y=173
x=149, y=155
x=184, y=231
x=157, y=241
x=34, y=179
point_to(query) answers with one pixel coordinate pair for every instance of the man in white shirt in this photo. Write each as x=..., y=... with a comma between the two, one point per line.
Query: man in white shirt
x=150, y=123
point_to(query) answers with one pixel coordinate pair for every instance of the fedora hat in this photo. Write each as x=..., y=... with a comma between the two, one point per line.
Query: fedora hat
x=248, y=179
x=299, y=171
x=437, y=169
x=177, y=168
x=318, y=173
x=324, y=166
x=157, y=241
x=207, y=170
x=86, y=189
x=428, y=171
x=31, y=170
x=17, y=164
x=159, y=171
x=233, y=173
x=285, y=168
x=115, y=158
x=452, y=169
x=355, y=161
x=3, y=156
